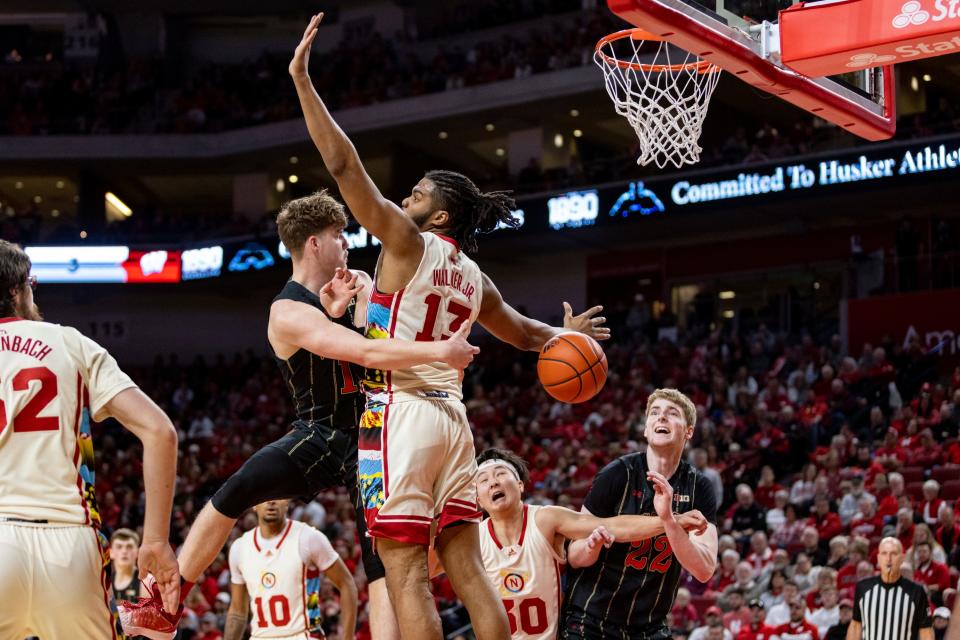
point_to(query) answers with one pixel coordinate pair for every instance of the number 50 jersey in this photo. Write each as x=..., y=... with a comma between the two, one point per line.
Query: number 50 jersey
x=445, y=291
x=48, y=374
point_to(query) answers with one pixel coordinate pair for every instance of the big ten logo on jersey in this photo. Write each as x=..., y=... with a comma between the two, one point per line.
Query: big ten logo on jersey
x=641, y=551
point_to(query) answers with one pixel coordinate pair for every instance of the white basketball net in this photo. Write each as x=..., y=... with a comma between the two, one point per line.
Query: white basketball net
x=664, y=97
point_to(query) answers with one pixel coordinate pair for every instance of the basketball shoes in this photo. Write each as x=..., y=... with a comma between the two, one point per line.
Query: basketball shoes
x=147, y=617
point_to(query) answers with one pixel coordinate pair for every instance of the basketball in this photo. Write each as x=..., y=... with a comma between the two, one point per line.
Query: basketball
x=572, y=367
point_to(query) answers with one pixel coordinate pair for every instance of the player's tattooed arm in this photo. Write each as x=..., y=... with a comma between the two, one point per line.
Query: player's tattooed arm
x=236, y=623
x=527, y=334
x=382, y=218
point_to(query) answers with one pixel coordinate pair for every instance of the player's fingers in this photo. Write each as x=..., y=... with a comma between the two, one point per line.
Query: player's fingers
x=598, y=320
x=567, y=310
x=592, y=311
x=463, y=331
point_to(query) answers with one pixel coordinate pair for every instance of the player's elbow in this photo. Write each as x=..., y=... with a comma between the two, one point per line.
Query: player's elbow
x=705, y=572
x=344, y=163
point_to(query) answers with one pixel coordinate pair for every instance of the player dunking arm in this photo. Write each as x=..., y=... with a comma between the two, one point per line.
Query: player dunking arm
x=417, y=463
x=275, y=569
x=53, y=582
x=628, y=589
x=523, y=545
x=313, y=352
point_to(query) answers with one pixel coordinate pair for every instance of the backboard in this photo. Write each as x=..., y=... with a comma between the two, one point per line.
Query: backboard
x=742, y=37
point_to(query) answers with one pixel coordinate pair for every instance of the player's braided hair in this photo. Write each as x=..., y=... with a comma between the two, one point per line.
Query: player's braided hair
x=14, y=271
x=471, y=210
x=510, y=458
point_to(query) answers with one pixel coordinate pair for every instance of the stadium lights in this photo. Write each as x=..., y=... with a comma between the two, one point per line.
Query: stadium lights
x=574, y=113
x=293, y=179
x=727, y=295
x=37, y=199
x=18, y=184
x=118, y=204
x=927, y=77
x=816, y=285
x=501, y=152
x=728, y=314
x=443, y=135
x=83, y=235
x=914, y=83
x=60, y=184
x=558, y=141
x=281, y=185
x=55, y=213
x=577, y=133
x=294, y=159
x=489, y=126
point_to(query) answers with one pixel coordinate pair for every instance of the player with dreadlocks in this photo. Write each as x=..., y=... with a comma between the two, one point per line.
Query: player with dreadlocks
x=416, y=459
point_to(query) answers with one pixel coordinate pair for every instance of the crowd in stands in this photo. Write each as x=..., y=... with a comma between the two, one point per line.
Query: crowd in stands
x=814, y=454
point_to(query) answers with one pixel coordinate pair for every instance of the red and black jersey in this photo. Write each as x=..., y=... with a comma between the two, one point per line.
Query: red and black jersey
x=630, y=589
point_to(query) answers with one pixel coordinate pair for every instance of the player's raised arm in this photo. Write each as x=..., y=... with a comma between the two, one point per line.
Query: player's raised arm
x=296, y=324
x=527, y=334
x=379, y=216
x=142, y=417
x=696, y=552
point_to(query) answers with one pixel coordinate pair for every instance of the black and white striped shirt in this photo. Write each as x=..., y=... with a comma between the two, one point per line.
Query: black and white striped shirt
x=891, y=611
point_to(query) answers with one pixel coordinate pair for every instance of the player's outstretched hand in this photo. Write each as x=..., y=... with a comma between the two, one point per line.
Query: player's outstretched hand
x=337, y=294
x=299, y=66
x=157, y=558
x=662, y=495
x=600, y=535
x=693, y=521
x=587, y=322
x=458, y=353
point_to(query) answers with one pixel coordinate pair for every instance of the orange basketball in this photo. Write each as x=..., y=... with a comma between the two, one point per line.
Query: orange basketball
x=572, y=367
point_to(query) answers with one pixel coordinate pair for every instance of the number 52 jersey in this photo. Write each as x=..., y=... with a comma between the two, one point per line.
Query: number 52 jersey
x=48, y=374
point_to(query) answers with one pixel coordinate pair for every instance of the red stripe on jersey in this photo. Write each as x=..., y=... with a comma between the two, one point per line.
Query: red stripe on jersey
x=448, y=239
x=289, y=526
x=523, y=527
x=383, y=446
x=556, y=565
x=381, y=516
x=106, y=592
x=76, y=448
x=255, y=545
x=303, y=588
x=493, y=534
x=10, y=319
x=394, y=312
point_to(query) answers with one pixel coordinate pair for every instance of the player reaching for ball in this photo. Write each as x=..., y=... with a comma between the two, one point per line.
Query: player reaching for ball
x=416, y=459
x=523, y=545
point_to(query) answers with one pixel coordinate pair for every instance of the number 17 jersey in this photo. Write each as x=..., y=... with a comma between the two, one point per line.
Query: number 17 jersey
x=445, y=291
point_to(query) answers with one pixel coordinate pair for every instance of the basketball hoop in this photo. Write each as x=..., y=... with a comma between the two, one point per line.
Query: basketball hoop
x=664, y=97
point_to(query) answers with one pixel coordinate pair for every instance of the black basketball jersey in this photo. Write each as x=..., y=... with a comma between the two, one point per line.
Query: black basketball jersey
x=131, y=592
x=325, y=392
x=630, y=589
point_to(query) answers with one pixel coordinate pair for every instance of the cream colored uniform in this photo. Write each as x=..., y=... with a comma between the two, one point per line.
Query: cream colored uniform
x=527, y=577
x=416, y=457
x=52, y=579
x=276, y=573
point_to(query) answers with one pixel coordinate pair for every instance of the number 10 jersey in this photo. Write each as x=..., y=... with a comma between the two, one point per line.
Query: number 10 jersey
x=445, y=291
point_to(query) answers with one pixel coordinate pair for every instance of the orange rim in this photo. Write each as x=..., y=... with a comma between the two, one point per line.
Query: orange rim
x=701, y=66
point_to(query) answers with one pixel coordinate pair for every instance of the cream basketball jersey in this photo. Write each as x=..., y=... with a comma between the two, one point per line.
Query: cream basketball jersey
x=527, y=577
x=282, y=575
x=48, y=374
x=445, y=291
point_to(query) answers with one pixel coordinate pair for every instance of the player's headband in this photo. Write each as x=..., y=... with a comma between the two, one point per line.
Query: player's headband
x=496, y=462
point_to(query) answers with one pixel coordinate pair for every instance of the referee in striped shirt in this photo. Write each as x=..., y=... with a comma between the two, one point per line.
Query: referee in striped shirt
x=888, y=606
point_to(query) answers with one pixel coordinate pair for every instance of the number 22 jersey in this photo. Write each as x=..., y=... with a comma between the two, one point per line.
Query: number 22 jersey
x=630, y=589
x=445, y=291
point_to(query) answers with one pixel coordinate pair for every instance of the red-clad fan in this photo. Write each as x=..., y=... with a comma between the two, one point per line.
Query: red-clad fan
x=948, y=533
x=890, y=452
x=760, y=552
x=867, y=522
x=927, y=453
x=827, y=523
x=766, y=487
x=757, y=629
x=858, y=551
x=797, y=628
x=929, y=509
x=934, y=574
x=905, y=527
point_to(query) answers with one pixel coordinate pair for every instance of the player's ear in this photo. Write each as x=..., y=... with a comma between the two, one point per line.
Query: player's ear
x=440, y=218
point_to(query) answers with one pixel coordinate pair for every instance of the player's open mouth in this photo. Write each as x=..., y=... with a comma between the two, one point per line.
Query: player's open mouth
x=661, y=430
x=497, y=495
